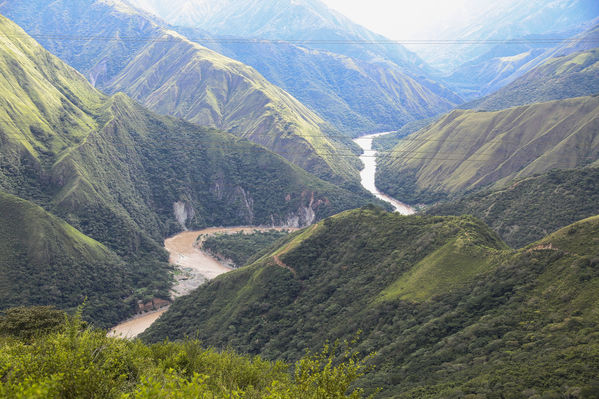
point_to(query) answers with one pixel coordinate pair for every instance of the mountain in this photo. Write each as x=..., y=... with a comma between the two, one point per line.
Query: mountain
x=307, y=22
x=44, y=260
x=121, y=49
x=467, y=150
x=508, y=61
x=483, y=25
x=442, y=302
x=531, y=208
x=558, y=78
x=354, y=95
x=127, y=177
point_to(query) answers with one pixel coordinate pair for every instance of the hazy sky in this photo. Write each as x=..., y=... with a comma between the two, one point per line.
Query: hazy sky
x=404, y=19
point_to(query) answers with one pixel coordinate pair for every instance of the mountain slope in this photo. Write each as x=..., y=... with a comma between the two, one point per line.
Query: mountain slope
x=44, y=260
x=467, y=150
x=504, y=21
x=355, y=96
x=558, y=78
x=532, y=207
x=121, y=49
x=127, y=177
x=508, y=61
x=442, y=302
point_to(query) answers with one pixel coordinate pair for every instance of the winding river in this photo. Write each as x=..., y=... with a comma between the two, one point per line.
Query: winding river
x=368, y=174
x=195, y=268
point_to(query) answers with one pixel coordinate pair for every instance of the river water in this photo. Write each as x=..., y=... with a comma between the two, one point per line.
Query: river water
x=367, y=175
x=195, y=268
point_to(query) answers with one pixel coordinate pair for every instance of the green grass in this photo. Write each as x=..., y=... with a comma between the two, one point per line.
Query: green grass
x=468, y=150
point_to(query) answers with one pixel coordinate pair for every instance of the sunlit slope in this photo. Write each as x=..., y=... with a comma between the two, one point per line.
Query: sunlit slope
x=432, y=296
x=574, y=75
x=177, y=77
x=43, y=260
x=119, y=48
x=467, y=150
x=529, y=209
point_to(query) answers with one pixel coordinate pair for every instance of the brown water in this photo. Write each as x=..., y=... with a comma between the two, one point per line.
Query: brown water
x=195, y=268
x=367, y=175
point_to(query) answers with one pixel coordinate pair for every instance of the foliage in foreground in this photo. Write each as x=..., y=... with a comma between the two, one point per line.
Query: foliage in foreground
x=79, y=362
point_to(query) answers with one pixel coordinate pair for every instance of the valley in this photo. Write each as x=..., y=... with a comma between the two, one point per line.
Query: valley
x=368, y=174
x=194, y=201
x=195, y=267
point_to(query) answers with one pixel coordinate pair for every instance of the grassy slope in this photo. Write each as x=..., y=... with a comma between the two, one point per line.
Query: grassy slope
x=114, y=170
x=44, y=260
x=558, y=78
x=448, y=308
x=531, y=208
x=467, y=150
x=184, y=79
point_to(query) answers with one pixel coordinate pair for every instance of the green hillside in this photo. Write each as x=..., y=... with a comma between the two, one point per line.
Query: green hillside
x=558, y=78
x=467, y=150
x=44, y=260
x=46, y=355
x=354, y=95
x=533, y=207
x=127, y=177
x=449, y=310
x=174, y=76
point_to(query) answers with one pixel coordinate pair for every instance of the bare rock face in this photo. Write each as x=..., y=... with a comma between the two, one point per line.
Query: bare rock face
x=183, y=213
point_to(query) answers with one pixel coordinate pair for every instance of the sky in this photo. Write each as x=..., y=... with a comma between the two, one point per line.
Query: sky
x=403, y=19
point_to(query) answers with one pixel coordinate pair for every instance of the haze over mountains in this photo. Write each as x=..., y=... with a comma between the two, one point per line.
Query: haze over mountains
x=127, y=122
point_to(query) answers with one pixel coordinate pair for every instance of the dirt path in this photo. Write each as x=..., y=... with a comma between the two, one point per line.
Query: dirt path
x=195, y=268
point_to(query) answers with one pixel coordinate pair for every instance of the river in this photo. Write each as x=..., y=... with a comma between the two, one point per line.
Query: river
x=195, y=268
x=368, y=174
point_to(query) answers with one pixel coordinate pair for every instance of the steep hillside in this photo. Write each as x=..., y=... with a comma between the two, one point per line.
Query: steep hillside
x=442, y=302
x=127, y=177
x=121, y=49
x=531, y=208
x=356, y=96
x=44, y=260
x=467, y=150
x=558, y=78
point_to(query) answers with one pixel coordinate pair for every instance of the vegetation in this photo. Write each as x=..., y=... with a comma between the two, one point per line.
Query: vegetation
x=127, y=178
x=240, y=247
x=447, y=307
x=531, y=208
x=43, y=260
x=573, y=75
x=78, y=362
x=468, y=150
x=387, y=142
x=177, y=77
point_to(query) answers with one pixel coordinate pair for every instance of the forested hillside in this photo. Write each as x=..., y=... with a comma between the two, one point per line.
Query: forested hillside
x=447, y=307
